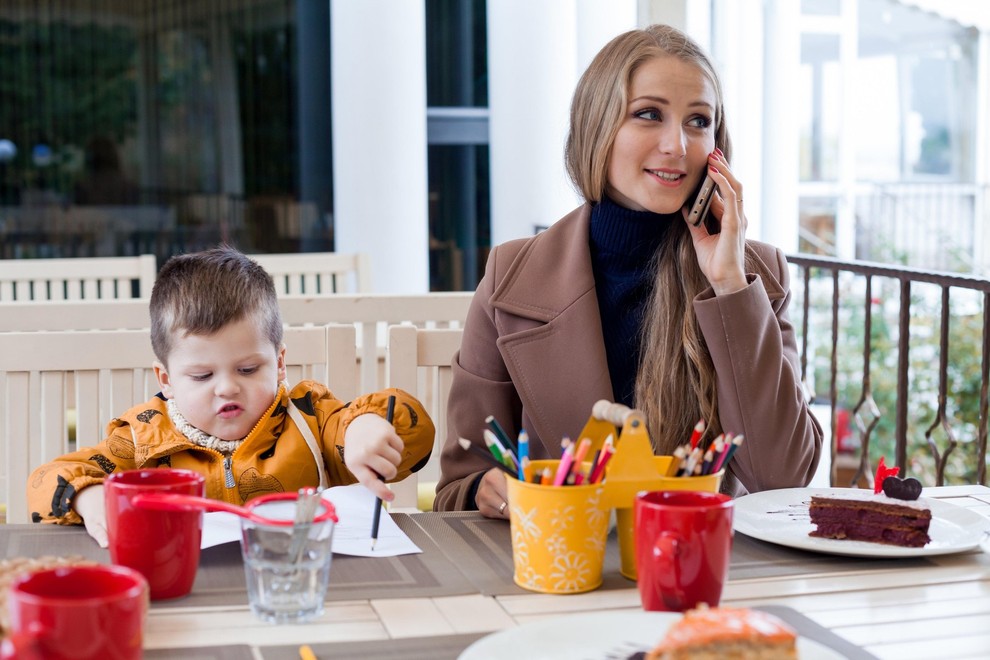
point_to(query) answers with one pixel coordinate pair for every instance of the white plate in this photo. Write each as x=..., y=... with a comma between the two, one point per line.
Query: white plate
x=781, y=516
x=615, y=634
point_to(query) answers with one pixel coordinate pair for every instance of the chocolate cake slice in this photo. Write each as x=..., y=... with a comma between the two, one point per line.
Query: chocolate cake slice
x=872, y=518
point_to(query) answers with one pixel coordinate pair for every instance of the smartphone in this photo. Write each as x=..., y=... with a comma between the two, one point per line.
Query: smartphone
x=702, y=203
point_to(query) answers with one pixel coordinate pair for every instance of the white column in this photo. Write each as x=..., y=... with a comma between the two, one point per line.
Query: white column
x=737, y=26
x=378, y=73
x=598, y=22
x=782, y=61
x=532, y=48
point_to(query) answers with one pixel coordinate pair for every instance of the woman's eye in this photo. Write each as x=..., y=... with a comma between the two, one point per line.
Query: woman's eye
x=652, y=114
x=700, y=122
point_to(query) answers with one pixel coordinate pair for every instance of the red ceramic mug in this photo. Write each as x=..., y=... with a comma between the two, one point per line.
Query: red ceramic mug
x=77, y=613
x=683, y=542
x=161, y=545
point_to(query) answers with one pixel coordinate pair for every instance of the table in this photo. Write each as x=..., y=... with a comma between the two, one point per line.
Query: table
x=435, y=604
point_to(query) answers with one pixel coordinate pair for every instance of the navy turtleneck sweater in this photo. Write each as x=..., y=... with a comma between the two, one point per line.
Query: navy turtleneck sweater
x=623, y=243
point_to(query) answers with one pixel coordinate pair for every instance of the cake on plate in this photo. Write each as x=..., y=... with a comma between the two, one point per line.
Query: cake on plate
x=893, y=514
x=723, y=633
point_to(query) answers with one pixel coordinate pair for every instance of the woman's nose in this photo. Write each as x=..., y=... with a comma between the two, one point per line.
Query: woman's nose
x=671, y=141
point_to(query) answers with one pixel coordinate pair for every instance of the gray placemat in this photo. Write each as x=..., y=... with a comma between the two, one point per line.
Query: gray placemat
x=446, y=647
x=220, y=578
x=482, y=548
x=805, y=627
x=753, y=559
x=239, y=652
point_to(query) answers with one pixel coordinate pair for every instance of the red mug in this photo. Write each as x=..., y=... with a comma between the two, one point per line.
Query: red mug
x=161, y=545
x=683, y=543
x=77, y=613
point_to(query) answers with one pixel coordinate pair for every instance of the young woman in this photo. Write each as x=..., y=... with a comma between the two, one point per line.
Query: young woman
x=623, y=299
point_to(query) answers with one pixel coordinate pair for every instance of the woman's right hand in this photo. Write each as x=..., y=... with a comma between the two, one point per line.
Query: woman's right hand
x=492, y=497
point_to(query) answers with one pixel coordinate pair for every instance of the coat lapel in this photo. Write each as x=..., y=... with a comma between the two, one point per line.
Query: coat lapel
x=550, y=330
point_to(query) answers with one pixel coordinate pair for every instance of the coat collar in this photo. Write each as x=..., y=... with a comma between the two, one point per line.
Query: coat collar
x=557, y=361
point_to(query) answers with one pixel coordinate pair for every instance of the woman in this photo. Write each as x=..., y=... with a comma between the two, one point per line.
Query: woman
x=623, y=299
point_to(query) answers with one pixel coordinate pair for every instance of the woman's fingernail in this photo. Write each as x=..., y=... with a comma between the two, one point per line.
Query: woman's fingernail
x=718, y=151
x=713, y=168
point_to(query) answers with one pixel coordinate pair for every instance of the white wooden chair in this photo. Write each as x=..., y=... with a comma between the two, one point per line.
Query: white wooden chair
x=111, y=371
x=317, y=273
x=371, y=315
x=418, y=360
x=86, y=278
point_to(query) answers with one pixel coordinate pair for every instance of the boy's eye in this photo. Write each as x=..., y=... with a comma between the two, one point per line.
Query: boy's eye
x=200, y=376
x=651, y=114
x=248, y=370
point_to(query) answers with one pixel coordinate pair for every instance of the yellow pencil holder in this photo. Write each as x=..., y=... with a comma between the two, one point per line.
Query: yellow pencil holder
x=624, y=509
x=558, y=534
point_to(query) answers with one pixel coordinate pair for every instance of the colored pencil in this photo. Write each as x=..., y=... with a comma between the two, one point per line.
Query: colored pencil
x=566, y=461
x=495, y=447
x=500, y=433
x=729, y=451
x=699, y=428
x=486, y=455
x=523, y=453
x=602, y=464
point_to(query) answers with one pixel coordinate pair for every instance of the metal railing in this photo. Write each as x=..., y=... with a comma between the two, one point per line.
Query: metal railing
x=955, y=415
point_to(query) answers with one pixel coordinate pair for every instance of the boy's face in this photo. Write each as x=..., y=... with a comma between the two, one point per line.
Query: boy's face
x=223, y=383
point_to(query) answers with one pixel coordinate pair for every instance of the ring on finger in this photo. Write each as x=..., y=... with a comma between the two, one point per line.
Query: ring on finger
x=501, y=508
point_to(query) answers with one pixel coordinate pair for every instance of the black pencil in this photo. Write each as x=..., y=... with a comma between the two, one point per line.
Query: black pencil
x=487, y=455
x=389, y=412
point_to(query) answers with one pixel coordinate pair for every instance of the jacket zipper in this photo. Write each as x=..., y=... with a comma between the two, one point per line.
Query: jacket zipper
x=228, y=473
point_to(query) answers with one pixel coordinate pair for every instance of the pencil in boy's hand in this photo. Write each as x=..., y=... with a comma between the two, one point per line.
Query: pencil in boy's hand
x=306, y=653
x=487, y=456
x=389, y=413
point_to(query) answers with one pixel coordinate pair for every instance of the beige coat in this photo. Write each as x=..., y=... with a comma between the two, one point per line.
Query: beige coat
x=533, y=356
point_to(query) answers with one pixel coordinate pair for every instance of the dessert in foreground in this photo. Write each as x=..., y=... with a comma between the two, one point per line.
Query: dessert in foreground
x=894, y=517
x=727, y=634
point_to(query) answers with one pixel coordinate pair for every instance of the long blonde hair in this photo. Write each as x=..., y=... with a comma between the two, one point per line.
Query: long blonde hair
x=675, y=383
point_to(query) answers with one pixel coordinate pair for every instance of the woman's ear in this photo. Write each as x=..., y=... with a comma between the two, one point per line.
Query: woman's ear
x=164, y=382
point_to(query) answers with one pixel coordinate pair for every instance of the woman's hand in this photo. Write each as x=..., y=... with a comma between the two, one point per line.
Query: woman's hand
x=722, y=256
x=492, y=497
x=372, y=452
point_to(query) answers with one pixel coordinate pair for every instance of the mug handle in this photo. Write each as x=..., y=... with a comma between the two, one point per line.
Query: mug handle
x=21, y=646
x=666, y=556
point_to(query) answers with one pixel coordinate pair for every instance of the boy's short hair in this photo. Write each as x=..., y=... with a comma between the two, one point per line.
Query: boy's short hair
x=202, y=292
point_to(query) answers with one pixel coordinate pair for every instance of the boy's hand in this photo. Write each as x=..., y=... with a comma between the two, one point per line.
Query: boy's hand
x=372, y=451
x=88, y=503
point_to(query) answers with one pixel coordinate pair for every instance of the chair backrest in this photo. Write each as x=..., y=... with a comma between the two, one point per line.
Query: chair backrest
x=370, y=314
x=317, y=273
x=87, y=278
x=109, y=372
x=418, y=360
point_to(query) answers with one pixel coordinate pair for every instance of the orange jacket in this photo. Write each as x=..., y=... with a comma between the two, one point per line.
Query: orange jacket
x=274, y=457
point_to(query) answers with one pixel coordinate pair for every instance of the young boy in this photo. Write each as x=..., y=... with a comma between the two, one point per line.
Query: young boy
x=225, y=411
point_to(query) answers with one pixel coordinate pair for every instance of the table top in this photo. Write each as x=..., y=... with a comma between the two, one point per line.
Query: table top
x=434, y=605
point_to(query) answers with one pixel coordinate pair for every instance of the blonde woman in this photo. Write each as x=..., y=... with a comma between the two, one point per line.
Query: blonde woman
x=624, y=299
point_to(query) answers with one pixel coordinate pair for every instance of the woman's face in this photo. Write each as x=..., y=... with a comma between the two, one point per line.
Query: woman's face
x=660, y=154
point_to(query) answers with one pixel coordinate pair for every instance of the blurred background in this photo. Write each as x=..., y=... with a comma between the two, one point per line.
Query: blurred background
x=422, y=133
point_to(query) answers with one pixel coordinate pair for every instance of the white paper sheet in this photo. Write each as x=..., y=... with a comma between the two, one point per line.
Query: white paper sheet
x=355, y=507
